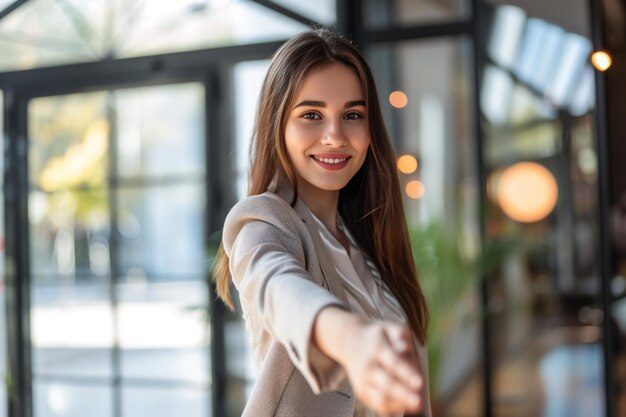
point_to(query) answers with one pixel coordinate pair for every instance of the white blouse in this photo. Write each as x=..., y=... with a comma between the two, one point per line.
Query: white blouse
x=366, y=293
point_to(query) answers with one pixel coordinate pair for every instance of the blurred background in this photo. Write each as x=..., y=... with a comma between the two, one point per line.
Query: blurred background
x=126, y=127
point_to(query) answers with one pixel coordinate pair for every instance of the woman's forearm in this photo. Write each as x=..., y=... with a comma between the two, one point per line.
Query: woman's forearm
x=333, y=331
x=379, y=359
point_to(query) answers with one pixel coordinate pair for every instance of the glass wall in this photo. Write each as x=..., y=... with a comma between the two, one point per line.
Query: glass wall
x=118, y=185
x=119, y=296
x=425, y=90
x=246, y=80
x=3, y=341
x=537, y=102
x=89, y=30
x=322, y=11
x=378, y=14
x=616, y=84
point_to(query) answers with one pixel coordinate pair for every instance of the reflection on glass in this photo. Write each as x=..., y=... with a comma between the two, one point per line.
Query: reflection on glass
x=174, y=145
x=164, y=339
x=141, y=402
x=5, y=3
x=494, y=95
x=544, y=294
x=71, y=331
x=530, y=49
x=52, y=399
x=42, y=33
x=68, y=209
x=207, y=25
x=240, y=364
x=141, y=217
x=525, y=107
x=583, y=97
x=533, y=140
x=3, y=345
x=48, y=32
x=68, y=141
x=160, y=231
x=163, y=331
x=3, y=342
x=322, y=11
x=433, y=138
x=574, y=52
x=547, y=57
x=2, y=130
x=248, y=78
x=389, y=13
x=534, y=61
x=160, y=249
x=508, y=25
x=69, y=235
x=541, y=55
x=573, y=380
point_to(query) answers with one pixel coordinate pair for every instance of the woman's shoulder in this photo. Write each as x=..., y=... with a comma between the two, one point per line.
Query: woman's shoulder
x=267, y=207
x=261, y=206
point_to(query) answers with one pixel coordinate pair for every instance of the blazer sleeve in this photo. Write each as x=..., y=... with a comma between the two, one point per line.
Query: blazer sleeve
x=267, y=264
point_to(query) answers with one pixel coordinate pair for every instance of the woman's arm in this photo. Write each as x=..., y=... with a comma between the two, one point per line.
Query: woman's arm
x=278, y=295
x=378, y=357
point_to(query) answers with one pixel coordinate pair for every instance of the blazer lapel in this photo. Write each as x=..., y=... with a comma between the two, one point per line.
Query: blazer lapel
x=328, y=267
x=282, y=187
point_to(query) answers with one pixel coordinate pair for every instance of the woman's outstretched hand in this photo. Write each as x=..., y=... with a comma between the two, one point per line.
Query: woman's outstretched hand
x=379, y=359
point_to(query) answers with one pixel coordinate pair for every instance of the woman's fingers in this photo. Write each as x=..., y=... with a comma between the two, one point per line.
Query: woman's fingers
x=402, y=367
x=384, y=370
x=399, y=337
x=396, y=396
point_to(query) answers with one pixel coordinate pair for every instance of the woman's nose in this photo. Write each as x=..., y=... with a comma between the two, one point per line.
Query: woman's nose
x=334, y=135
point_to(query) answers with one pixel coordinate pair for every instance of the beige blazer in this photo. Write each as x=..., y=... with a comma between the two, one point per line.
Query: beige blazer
x=285, y=276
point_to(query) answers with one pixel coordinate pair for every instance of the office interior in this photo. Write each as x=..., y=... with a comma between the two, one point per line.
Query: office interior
x=126, y=127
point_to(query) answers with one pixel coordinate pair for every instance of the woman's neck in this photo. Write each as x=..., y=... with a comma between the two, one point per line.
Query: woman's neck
x=322, y=203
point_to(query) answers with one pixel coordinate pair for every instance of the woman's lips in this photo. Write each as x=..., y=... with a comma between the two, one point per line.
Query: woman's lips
x=331, y=162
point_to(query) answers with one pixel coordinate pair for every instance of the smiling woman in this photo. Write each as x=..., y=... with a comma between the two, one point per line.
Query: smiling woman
x=327, y=140
x=319, y=251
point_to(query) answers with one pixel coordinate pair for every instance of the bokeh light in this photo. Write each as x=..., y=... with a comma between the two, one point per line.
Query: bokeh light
x=407, y=164
x=398, y=99
x=601, y=60
x=492, y=185
x=415, y=189
x=527, y=192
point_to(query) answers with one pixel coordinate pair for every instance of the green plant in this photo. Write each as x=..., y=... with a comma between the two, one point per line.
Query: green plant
x=448, y=267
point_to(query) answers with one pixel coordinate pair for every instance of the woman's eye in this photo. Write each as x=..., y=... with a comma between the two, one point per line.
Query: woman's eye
x=311, y=116
x=353, y=116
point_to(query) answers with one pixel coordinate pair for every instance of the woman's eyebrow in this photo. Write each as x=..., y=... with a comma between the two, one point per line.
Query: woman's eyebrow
x=315, y=103
x=354, y=103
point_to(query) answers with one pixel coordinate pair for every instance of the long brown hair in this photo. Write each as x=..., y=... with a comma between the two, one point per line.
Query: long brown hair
x=371, y=203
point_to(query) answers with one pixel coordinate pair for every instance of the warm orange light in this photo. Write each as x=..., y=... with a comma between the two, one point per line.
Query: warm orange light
x=415, y=189
x=407, y=164
x=527, y=192
x=492, y=185
x=601, y=60
x=398, y=99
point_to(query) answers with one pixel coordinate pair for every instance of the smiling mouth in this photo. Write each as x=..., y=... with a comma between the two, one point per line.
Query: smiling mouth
x=331, y=164
x=331, y=160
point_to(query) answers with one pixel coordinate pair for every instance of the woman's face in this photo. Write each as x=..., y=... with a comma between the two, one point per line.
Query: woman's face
x=327, y=134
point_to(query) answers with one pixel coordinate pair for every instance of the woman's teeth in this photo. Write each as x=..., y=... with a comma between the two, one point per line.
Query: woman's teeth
x=330, y=160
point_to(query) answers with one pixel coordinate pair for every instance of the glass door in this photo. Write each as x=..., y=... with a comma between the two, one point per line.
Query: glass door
x=119, y=297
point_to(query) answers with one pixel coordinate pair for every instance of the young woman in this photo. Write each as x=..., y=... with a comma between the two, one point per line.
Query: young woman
x=319, y=251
